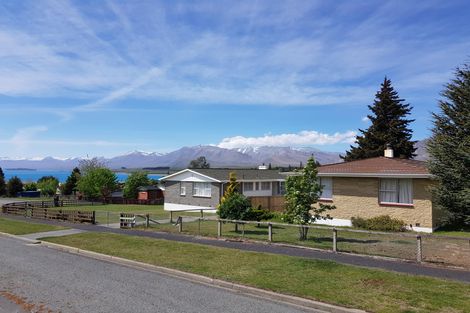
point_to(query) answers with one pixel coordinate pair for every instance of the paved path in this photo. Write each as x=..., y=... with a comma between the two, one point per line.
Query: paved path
x=62, y=282
x=349, y=259
x=54, y=233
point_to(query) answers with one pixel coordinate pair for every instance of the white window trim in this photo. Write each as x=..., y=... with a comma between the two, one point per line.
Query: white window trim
x=182, y=190
x=206, y=187
x=323, y=189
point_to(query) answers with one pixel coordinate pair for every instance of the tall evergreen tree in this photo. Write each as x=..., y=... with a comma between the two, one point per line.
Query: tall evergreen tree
x=14, y=186
x=389, y=127
x=70, y=186
x=3, y=185
x=449, y=149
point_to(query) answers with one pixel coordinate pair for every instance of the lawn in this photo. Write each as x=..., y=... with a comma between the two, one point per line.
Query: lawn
x=435, y=249
x=367, y=289
x=110, y=213
x=22, y=228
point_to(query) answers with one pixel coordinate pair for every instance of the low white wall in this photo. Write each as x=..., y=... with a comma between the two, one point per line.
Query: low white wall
x=185, y=207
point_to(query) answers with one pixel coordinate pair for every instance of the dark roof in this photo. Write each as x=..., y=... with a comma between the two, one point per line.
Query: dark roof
x=148, y=188
x=379, y=166
x=242, y=174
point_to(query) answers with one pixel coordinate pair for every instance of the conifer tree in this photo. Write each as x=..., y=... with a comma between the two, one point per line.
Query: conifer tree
x=70, y=186
x=3, y=185
x=449, y=149
x=389, y=127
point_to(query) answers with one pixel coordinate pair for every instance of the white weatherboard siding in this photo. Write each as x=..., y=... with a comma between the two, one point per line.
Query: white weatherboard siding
x=185, y=207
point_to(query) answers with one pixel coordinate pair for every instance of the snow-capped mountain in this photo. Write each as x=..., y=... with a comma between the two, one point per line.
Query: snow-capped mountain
x=217, y=157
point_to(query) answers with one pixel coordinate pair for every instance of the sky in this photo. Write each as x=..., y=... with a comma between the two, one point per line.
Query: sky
x=102, y=78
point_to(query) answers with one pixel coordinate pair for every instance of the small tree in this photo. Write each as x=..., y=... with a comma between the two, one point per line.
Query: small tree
x=233, y=205
x=133, y=182
x=14, y=186
x=86, y=165
x=449, y=150
x=32, y=186
x=48, y=185
x=3, y=185
x=302, y=192
x=200, y=162
x=98, y=183
x=70, y=186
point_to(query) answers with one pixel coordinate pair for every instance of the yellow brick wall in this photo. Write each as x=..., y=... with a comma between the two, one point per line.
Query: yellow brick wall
x=360, y=197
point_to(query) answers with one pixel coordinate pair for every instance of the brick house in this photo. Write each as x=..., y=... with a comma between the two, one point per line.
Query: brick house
x=380, y=186
x=202, y=189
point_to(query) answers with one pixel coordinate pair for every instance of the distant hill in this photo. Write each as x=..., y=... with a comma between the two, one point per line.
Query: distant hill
x=217, y=157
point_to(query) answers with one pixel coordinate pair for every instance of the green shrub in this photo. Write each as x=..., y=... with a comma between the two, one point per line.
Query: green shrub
x=258, y=214
x=382, y=223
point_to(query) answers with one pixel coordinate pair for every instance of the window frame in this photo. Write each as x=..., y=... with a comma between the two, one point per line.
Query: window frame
x=323, y=189
x=205, y=187
x=265, y=183
x=397, y=192
x=182, y=190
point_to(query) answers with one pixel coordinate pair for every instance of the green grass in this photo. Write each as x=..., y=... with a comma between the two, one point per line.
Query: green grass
x=367, y=289
x=22, y=228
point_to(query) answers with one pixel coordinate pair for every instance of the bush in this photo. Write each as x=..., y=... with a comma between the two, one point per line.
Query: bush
x=258, y=214
x=382, y=223
x=235, y=207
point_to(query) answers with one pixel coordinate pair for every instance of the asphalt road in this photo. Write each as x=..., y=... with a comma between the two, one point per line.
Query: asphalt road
x=52, y=281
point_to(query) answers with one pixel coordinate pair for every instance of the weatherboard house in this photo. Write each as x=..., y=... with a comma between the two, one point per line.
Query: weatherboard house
x=378, y=186
x=202, y=189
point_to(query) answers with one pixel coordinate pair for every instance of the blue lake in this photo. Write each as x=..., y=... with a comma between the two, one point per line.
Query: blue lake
x=29, y=175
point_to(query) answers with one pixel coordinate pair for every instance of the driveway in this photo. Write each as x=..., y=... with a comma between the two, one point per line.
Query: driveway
x=48, y=280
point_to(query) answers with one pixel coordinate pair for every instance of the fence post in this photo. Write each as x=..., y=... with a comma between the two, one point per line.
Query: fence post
x=147, y=220
x=219, y=228
x=180, y=225
x=199, y=226
x=335, y=240
x=419, y=251
x=107, y=218
x=270, y=232
x=171, y=216
x=94, y=218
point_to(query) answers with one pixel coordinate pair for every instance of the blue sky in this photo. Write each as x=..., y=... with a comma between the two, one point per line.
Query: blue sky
x=101, y=78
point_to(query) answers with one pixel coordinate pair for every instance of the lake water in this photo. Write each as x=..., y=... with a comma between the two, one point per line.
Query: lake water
x=29, y=175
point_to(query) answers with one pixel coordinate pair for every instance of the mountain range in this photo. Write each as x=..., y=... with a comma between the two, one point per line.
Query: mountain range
x=217, y=157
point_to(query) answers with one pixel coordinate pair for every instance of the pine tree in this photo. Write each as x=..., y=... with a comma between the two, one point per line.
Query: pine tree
x=70, y=186
x=3, y=185
x=389, y=127
x=449, y=149
x=14, y=186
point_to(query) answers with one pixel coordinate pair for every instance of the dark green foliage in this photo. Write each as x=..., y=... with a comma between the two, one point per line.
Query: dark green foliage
x=235, y=207
x=389, y=127
x=200, y=162
x=32, y=186
x=258, y=214
x=14, y=186
x=381, y=223
x=133, y=182
x=449, y=150
x=70, y=186
x=3, y=185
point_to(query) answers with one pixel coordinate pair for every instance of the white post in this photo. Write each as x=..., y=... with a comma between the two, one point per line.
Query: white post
x=219, y=228
x=419, y=252
x=270, y=232
x=335, y=240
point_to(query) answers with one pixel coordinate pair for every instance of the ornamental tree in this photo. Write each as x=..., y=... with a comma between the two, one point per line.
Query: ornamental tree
x=98, y=183
x=302, y=192
x=48, y=185
x=133, y=182
x=70, y=186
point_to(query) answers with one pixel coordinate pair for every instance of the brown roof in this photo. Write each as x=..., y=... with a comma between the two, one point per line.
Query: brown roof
x=376, y=167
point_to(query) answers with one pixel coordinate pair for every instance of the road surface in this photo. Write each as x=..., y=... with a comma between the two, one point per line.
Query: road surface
x=46, y=280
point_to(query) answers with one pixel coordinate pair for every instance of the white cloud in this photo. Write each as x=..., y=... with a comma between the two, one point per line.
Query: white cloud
x=303, y=138
x=365, y=119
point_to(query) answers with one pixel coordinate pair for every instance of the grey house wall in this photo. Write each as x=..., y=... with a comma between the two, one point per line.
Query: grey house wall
x=173, y=194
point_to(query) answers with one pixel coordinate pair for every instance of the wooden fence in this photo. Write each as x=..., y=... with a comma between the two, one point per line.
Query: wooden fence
x=271, y=203
x=134, y=201
x=42, y=210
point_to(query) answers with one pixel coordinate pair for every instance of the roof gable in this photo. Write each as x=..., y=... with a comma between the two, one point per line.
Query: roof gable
x=189, y=175
x=222, y=175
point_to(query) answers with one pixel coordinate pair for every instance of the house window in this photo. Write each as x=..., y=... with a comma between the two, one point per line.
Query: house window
x=182, y=190
x=327, y=185
x=265, y=185
x=202, y=190
x=248, y=186
x=282, y=188
x=396, y=191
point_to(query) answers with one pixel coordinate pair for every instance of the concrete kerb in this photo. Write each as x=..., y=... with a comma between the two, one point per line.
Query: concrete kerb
x=30, y=241
x=242, y=289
